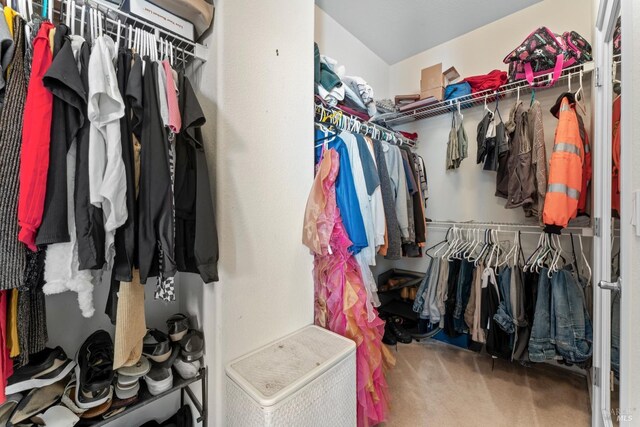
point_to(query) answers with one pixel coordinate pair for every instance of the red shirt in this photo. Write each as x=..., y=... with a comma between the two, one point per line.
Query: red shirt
x=36, y=136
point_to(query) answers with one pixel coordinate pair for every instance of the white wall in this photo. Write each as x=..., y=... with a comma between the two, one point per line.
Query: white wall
x=468, y=193
x=256, y=91
x=338, y=43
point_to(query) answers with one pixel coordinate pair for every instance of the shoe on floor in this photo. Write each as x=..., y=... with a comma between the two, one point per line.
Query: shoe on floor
x=37, y=401
x=401, y=334
x=6, y=409
x=192, y=346
x=57, y=416
x=94, y=370
x=178, y=326
x=159, y=380
x=187, y=370
x=389, y=338
x=44, y=368
x=156, y=345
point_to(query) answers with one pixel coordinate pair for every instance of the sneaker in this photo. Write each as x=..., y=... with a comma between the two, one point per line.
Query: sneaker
x=58, y=416
x=187, y=370
x=37, y=401
x=6, y=409
x=156, y=345
x=192, y=346
x=94, y=371
x=68, y=397
x=44, y=368
x=177, y=325
x=159, y=380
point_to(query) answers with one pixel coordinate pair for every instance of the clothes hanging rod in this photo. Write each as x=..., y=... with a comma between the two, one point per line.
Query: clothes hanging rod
x=367, y=125
x=505, y=227
x=479, y=98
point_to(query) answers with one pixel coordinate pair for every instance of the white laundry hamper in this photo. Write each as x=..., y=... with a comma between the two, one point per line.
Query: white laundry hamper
x=305, y=379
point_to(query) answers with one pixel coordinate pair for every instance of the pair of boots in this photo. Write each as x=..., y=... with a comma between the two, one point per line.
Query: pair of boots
x=394, y=332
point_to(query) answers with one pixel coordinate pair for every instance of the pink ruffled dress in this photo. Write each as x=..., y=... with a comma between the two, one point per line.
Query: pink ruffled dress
x=340, y=295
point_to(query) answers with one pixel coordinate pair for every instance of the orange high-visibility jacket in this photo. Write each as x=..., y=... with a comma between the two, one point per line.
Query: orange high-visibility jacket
x=565, y=171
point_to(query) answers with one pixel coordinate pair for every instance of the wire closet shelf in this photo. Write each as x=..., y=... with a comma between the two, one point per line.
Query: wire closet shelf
x=345, y=121
x=185, y=51
x=479, y=98
x=586, y=231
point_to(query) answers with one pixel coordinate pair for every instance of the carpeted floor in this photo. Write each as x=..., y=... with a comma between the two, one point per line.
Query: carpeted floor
x=436, y=384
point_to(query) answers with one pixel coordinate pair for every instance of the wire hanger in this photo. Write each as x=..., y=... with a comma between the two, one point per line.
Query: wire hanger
x=584, y=258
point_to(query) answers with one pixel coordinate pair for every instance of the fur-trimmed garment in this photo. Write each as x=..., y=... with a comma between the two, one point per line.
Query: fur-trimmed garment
x=61, y=268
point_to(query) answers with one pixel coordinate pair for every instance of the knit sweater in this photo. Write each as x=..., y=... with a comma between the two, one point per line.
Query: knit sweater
x=12, y=256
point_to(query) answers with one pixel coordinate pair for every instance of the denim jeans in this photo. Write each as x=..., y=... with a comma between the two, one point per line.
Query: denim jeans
x=541, y=342
x=504, y=316
x=463, y=291
x=574, y=333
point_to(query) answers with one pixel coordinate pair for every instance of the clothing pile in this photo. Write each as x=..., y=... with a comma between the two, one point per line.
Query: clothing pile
x=103, y=168
x=349, y=93
x=514, y=313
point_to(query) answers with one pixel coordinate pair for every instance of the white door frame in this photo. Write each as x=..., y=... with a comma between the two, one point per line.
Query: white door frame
x=601, y=397
x=628, y=412
x=629, y=234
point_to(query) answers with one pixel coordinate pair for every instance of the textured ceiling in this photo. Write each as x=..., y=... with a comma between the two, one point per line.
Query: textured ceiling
x=398, y=29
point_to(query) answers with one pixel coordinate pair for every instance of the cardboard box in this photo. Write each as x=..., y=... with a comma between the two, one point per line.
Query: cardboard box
x=433, y=81
x=451, y=75
x=436, y=93
x=160, y=17
x=431, y=77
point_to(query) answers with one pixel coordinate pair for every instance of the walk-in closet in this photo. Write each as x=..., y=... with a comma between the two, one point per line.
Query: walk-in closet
x=487, y=223
x=241, y=213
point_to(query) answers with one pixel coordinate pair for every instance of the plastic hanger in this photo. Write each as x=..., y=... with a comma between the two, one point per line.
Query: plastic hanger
x=118, y=32
x=486, y=107
x=579, y=95
x=584, y=258
x=528, y=265
x=100, y=19
x=518, y=95
x=83, y=14
x=72, y=12
x=67, y=18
